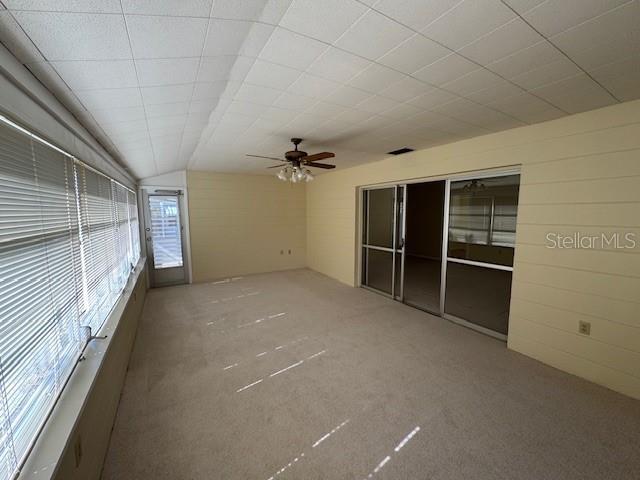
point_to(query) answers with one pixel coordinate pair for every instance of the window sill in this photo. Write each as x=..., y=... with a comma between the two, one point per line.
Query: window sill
x=52, y=443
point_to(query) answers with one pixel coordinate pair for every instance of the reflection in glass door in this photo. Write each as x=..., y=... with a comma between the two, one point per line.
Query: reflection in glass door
x=164, y=237
x=381, y=244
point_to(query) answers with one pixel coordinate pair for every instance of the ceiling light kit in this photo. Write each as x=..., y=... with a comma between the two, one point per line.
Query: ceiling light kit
x=295, y=175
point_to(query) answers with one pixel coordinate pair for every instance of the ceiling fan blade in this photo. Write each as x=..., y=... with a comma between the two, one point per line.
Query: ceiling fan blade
x=262, y=156
x=319, y=165
x=318, y=156
x=278, y=166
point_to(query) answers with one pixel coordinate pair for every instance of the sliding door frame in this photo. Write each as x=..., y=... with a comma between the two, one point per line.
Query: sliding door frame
x=445, y=244
x=487, y=173
x=402, y=231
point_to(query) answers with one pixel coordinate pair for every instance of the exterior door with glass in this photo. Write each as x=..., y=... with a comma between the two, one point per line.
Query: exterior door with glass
x=164, y=236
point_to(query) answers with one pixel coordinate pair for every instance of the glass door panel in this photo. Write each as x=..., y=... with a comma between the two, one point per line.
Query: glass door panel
x=480, y=250
x=381, y=216
x=378, y=269
x=482, y=219
x=479, y=295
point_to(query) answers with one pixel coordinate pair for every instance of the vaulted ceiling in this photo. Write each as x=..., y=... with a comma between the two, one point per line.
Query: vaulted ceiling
x=168, y=85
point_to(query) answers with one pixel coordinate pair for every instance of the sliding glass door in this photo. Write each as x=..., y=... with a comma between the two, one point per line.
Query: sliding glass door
x=445, y=246
x=382, y=239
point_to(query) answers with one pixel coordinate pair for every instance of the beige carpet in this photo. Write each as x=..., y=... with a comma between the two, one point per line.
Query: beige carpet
x=292, y=375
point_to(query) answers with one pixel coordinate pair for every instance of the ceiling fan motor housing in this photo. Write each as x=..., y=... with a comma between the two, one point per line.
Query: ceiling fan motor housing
x=296, y=155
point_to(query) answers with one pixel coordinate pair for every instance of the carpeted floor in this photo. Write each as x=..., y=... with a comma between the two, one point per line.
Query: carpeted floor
x=292, y=375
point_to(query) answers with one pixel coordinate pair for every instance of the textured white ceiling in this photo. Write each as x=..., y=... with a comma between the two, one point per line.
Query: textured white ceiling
x=168, y=85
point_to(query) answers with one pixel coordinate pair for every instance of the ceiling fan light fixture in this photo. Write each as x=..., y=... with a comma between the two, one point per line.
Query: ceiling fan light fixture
x=296, y=162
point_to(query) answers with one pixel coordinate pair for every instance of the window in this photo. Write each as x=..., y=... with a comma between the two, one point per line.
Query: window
x=68, y=242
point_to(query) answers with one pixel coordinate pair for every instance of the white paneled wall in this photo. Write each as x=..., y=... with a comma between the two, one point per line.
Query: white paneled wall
x=242, y=224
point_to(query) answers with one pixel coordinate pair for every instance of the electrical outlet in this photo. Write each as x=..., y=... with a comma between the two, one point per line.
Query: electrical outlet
x=77, y=451
x=584, y=327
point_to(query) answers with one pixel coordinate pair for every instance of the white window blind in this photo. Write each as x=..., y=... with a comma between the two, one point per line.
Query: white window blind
x=483, y=220
x=133, y=226
x=67, y=240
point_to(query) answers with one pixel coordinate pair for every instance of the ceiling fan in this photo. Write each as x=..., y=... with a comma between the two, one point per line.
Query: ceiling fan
x=296, y=163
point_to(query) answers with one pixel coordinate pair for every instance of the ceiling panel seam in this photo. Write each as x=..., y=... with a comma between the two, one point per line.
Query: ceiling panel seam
x=457, y=52
x=193, y=88
x=144, y=109
x=192, y=159
x=561, y=51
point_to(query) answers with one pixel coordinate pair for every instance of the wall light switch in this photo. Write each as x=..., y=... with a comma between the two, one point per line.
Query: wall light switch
x=584, y=327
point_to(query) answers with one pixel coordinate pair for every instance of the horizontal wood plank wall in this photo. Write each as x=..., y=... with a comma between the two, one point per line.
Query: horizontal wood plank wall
x=579, y=174
x=240, y=223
